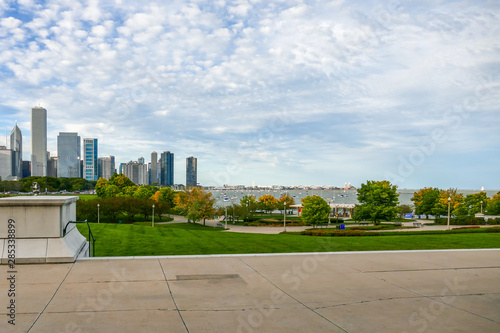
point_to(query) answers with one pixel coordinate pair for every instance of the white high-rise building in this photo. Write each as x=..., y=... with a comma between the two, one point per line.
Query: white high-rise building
x=38, y=141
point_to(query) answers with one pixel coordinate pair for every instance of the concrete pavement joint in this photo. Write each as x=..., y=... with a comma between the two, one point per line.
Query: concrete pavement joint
x=431, y=269
x=279, y=254
x=173, y=298
x=284, y=292
x=50, y=300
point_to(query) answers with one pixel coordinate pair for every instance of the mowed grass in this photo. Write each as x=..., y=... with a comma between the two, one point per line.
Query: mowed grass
x=195, y=239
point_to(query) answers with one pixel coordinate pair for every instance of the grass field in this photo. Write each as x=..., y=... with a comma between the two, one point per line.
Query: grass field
x=191, y=239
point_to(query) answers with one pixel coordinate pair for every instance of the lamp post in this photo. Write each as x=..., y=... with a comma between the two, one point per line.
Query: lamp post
x=225, y=216
x=330, y=213
x=284, y=216
x=449, y=204
x=153, y=216
x=98, y=217
x=481, y=206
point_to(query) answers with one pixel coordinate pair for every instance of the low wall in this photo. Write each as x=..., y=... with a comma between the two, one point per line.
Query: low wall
x=31, y=229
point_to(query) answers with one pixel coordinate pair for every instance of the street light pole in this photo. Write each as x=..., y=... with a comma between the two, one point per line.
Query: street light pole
x=153, y=217
x=284, y=216
x=449, y=204
x=98, y=217
x=481, y=206
x=225, y=218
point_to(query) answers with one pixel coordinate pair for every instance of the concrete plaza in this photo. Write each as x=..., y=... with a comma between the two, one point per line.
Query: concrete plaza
x=404, y=291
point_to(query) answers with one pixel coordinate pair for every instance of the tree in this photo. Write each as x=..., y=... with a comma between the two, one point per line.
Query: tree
x=473, y=202
x=121, y=181
x=315, y=210
x=144, y=192
x=196, y=204
x=268, y=203
x=425, y=201
x=111, y=208
x=403, y=210
x=249, y=205
x=285, y=199
x=494, y=205
x=164, y=201
x=377, y=201
x=456, y=207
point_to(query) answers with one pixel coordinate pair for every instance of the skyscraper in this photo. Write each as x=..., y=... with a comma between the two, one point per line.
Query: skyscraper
x=5, y=163
x=154, y=167
x=191, y=171
x=38, y=141
x=107, y=166
x=90, y=159
x=167, y=168
x=16, y=146
x=69, y=154
x=136, y=172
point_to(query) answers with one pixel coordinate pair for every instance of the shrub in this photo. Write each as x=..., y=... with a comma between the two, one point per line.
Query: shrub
x=462, y=220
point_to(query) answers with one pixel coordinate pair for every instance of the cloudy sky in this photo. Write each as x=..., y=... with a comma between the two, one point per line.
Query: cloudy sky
x=270, y=92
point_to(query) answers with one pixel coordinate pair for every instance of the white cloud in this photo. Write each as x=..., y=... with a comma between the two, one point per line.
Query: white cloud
x=347, y=79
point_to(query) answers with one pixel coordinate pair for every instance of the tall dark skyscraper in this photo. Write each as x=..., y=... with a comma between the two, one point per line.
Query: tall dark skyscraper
x=154, y=167
x=191, y=171
x=167, y=168
x=68, y=155
x=16, y=145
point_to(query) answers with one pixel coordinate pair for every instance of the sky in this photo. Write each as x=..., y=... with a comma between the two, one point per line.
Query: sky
x=265, y=92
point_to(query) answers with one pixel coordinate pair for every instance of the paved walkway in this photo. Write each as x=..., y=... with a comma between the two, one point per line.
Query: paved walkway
x=276, y=230
x=428, y=291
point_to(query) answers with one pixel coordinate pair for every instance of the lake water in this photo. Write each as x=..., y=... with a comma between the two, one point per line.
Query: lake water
x=339, y=196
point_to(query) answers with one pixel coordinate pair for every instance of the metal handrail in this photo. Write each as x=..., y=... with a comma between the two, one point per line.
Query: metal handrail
x=91, y=236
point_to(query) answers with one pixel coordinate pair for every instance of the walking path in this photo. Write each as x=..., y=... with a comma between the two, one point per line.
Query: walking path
x=276, y=230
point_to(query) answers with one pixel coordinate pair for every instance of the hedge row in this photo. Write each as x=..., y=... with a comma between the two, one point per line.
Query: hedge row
x=467, y=220
x=348, y=233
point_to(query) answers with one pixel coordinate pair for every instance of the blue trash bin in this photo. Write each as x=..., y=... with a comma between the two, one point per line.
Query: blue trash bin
x=342, y=227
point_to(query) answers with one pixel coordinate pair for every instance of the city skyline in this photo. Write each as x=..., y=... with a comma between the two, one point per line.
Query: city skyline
x=266, y=93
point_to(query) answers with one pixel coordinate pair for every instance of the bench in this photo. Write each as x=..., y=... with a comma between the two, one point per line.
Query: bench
x=219, y=225
x=418, y=224
x=399, y=224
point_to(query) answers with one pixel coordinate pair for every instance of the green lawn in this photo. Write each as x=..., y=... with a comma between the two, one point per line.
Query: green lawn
x=190, y=239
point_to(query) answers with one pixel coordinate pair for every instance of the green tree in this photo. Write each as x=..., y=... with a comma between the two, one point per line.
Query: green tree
x=267, y=203
x=144, y=192
x=377, y=201
x=121, y=181
x=315, y=210
x=111, y=208
x=285, y=199
x=196, y=203
x=425, y=201
x=473, y=202
x=456, y=207
x=403, y=209
x=249, y=205
x=494, y=205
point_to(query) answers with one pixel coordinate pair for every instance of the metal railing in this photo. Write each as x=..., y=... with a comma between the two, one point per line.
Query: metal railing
x=91, y=237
